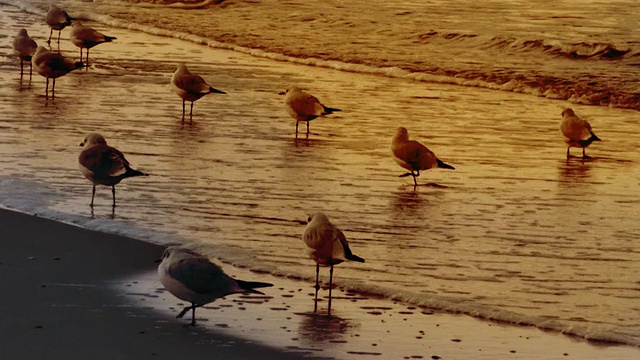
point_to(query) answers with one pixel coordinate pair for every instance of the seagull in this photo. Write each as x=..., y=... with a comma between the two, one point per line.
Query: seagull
x=190, y=87
x=577, y=132
x=327, y=246
x=85, y=37
x=191, y=277
x=24, y=47
x=52, y=66
x=104, y=165
x=304, y=107
x=413, y=156
x=57, y=19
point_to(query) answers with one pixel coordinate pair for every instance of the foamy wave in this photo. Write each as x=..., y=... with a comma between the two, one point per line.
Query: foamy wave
x=579, y=51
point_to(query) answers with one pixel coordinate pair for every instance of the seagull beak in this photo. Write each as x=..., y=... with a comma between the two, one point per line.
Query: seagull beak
x=82, y=143
x=157, y=261
x=282, y=93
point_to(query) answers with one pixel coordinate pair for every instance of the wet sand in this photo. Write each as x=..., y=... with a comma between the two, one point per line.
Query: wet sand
x=74, y=293
x=237, y=173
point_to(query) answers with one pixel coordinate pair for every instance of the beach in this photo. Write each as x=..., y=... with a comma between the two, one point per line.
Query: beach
x=76, y=294
x=496, y=259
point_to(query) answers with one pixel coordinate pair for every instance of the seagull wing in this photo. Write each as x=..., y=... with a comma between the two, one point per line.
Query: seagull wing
x=104, y=160
x=418, y=156
x=192, y=83
x=202, y=276
x=306, y=105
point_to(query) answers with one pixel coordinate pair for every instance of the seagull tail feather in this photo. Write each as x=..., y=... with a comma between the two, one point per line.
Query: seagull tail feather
x=216, y=91
x=250, y=286
x=442, y=164
x=328, y=110
x=109, y=38
x=593, y=137
x=353, y=257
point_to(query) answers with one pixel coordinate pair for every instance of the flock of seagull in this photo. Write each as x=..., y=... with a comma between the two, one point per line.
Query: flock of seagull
x=186, y=274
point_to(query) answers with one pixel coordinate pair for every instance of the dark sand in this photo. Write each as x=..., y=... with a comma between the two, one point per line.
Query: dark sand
x=59, y=302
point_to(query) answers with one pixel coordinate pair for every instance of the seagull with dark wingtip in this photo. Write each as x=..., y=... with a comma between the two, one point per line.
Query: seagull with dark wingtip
x=576, y=131
x=327, y=246
x=304, y=107
x=52, y=65
x=86, y=37
x=24, y=46
x=57, y=19
x=190, y=87
x=104, y=165
x=413, y=156
x=191, y=277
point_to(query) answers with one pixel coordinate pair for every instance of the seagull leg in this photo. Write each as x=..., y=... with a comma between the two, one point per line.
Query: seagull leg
x=297, y=129
x=415, y=182
x=53, y=89
x=330, y=287
x=183, y=111
x=193, y=314
x=315, y=302
x=584, y=155
x=30, y=70
x=113, y=193
x=80, y=54
x=191, y=113
x=307, y=129
x=21, y=68
x=59, y=32
x=87, y=64
x=93, y=194
x=46, y=89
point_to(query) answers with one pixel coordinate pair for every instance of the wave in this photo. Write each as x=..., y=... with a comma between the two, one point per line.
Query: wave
x=577, y=51
x=582, y=90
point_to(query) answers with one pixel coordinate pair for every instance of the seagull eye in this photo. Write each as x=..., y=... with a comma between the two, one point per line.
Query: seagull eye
x=309, y=219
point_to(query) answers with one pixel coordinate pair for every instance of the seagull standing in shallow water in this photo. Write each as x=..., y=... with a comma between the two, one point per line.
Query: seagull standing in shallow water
x=52, y=66
x=327, y=246
x=57, y=19
x=104, y=165
x=576, y=131
x=190, y=87
x=191, y=277
x=85, y=37
x=413, y=156
x=304, y=107
x=24, y=46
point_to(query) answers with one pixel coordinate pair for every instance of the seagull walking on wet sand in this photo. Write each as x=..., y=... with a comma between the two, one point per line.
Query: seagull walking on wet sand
x=104, y=165
x=304, y=107
x=327, y=246
x=413, y=156
x=86, y=37
x=576, y=131
x=57, y=19
x=191, y=277
x=24, y=46
x=190, y=87
x=52, y=66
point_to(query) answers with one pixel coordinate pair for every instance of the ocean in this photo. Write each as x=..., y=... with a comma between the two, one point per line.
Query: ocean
x=517, y=233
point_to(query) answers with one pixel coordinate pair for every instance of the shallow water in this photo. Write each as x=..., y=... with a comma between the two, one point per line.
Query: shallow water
x=516, y=233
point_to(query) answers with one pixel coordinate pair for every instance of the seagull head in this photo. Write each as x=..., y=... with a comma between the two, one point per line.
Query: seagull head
x=289, y=90
x=318, y=217
x=401, y=134
x=93, y=139
x=568, y=112
x=177, y=252
x=23, y=32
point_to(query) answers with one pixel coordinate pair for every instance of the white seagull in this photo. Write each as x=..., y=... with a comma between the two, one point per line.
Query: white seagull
x=104, y=165
x=413, y=156
x=52, y=65
x=304, y=107
x=24, y=47
x=57, y=19
x=327, y=246
x=191, y=277
x=85, y=37
x=190, y=87
x=576, y=131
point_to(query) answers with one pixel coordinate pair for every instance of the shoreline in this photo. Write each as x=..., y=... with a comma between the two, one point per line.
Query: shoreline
x=65, y=280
